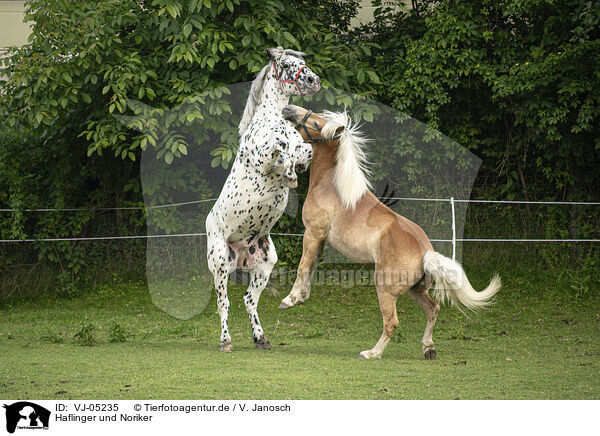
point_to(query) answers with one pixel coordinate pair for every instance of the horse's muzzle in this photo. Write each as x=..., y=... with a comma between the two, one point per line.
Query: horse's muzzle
x=289, y=112
x=312, y=84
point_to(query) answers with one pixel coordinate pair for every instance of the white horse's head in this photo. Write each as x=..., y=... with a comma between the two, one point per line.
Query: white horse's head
x=290, y=70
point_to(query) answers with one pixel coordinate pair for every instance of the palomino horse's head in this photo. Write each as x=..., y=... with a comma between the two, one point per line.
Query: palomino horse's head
x=291, y=72
x=335, y=129
x=315, y=127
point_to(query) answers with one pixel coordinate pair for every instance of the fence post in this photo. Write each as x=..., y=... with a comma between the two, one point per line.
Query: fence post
x=453, y=229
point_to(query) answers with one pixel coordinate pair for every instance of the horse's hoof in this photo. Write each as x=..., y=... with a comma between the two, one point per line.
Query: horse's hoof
x=363, y=355
x=262, y=343
x=430, y=353
x=226, y=346
x=287, y=304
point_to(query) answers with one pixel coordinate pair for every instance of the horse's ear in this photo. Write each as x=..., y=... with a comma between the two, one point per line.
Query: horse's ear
x=275, y=53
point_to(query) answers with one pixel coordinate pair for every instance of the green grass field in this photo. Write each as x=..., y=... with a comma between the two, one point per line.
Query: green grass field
x=537, y=342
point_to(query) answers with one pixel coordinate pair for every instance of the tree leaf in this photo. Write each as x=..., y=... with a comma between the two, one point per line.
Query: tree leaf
x=373, y=76
x=187, y=30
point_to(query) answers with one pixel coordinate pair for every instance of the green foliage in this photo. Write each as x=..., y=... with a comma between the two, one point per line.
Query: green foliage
x=52, y=337
x=515, y=81
x=117, y=333
x=28, y=181
x=85, y=60
x=86, y=336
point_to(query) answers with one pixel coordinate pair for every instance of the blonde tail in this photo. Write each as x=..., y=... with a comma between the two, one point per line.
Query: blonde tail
x=451, y=283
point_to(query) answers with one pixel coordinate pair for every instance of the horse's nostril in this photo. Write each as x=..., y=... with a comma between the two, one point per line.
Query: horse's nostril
x=310, y=79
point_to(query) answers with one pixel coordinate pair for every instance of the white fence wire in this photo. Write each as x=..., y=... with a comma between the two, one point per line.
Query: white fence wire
x=451, y=200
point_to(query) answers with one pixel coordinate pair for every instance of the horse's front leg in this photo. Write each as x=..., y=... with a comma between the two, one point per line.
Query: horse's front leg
x=311, y=253
x=265, y=260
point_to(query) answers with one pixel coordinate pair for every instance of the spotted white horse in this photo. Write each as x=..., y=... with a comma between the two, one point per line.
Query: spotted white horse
x=256, y=191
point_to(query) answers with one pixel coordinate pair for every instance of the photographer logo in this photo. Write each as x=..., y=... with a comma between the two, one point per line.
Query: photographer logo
x=26, y=415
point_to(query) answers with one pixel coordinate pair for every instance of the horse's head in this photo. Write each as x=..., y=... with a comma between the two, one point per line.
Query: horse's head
x=290, y=70
x=335, y=131
x=313, y=127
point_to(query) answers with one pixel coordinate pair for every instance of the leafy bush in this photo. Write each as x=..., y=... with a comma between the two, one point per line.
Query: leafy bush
x=117, y=333
x=86, y=335
x=514, y=81
x=86, y=60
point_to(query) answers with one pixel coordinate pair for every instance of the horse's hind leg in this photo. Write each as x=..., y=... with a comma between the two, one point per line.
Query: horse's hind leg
x=420, y=293
x=387, y=303
x=259, y=277
x=220, y=266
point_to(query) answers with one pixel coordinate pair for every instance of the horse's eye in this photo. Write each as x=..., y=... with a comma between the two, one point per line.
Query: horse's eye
x=285, y=65
x=316, y=124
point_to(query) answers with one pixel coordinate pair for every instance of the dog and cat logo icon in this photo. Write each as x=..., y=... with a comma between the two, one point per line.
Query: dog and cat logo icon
x=26, y=415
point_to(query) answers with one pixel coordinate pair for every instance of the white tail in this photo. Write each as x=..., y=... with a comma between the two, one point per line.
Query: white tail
x=451, y=283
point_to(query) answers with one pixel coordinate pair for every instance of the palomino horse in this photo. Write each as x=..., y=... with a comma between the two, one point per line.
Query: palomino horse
x=256, y=191
x=341, y=210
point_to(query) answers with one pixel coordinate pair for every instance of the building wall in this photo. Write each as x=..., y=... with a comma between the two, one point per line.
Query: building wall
x=13, y=32
x=365, y=13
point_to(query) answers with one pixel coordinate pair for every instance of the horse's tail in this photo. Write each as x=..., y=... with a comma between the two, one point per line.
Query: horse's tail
x=451, y=283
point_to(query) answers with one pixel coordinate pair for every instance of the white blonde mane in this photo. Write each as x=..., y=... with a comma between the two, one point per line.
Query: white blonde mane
x=351, y=171
x=258, y=84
